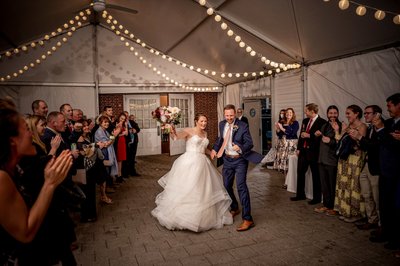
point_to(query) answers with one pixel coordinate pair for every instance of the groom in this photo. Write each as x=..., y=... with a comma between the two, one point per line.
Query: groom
x=234, y=144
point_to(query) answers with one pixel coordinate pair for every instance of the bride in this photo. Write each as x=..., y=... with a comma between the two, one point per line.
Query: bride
x=194, y=196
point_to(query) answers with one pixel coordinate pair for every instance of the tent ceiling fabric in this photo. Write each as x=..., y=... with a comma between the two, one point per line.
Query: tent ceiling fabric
x=287, y=31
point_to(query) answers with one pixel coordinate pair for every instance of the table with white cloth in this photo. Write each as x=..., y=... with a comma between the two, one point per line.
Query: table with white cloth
x=291, y=177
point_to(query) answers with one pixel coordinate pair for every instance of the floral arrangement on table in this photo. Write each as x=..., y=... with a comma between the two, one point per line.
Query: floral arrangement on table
x=167, y=116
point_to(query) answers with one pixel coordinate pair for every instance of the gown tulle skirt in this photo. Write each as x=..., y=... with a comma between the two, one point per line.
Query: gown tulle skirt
x=194, y=196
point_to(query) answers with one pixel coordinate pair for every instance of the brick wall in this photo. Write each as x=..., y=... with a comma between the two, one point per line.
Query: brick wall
x=206, y=103
x=114, y=100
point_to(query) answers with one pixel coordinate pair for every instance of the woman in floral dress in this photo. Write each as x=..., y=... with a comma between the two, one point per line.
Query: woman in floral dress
x=348, y=200
x=287, y=133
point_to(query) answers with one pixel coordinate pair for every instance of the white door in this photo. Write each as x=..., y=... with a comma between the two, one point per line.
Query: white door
x=252, y=110
x=185, y=103
x=149, y=137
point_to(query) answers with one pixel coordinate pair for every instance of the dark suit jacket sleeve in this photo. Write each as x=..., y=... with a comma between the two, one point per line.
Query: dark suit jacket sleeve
x=220, y=140
x=303, y=129
x=244, y=119
x=243, y=138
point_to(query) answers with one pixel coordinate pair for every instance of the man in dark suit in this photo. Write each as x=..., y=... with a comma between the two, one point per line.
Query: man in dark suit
x=134, y=129
x=62, y=197
x=389, y=139
x=234, y=144
x=369, y=177
x=240, y=116
x=308, y=151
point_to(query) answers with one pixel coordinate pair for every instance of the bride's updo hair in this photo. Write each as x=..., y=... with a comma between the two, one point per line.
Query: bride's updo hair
x=197, y=117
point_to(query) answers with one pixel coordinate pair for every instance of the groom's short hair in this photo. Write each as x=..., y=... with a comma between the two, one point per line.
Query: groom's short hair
x=230, y=107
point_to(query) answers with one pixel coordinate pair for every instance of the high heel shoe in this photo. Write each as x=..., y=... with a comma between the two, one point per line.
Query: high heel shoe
x=106, y=200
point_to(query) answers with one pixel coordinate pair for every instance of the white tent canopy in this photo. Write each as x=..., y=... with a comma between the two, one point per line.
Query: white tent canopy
x=310, y=32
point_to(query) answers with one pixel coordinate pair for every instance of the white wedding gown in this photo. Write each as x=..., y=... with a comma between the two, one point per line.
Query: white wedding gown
x=194, y=196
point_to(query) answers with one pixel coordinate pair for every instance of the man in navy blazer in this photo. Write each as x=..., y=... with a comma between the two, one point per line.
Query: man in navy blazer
x=389, y=182
x=234, y=144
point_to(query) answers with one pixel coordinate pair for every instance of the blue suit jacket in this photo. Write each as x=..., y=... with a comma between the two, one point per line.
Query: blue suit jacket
x=241, y=137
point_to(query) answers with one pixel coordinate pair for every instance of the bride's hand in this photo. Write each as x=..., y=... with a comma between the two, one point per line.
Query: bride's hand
x=173, y=130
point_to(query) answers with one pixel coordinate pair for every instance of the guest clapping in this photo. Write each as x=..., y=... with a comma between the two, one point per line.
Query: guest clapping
x=17, y=222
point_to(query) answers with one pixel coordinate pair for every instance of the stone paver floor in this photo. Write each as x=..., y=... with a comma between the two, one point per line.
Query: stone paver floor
x=286, y=233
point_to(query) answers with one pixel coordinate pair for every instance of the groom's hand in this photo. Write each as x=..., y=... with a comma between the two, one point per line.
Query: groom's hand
x=213, y=154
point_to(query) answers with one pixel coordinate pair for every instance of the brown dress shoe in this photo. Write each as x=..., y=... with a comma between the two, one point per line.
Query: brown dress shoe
x=246, y=225
x=234, y=212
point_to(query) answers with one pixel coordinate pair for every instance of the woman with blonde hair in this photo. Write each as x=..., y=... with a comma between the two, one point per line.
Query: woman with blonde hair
x=37, y=125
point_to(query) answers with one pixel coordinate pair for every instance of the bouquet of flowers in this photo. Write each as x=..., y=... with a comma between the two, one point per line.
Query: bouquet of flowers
x=167, y=116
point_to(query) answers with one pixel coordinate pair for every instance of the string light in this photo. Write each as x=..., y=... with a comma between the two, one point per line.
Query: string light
x=168, y=79
x=213, y=72
x=238, y=39
x=42, y=57
x=361, y=10
x=47, y=37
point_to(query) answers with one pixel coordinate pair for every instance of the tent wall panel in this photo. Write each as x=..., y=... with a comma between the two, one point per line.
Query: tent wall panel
x=362, y=80
x=287, y=91
x=79, y=97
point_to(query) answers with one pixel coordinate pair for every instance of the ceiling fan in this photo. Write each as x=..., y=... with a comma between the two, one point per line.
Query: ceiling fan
x=100, y=5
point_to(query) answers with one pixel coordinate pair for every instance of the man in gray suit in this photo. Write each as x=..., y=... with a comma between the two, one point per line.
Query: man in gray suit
x=327, y=160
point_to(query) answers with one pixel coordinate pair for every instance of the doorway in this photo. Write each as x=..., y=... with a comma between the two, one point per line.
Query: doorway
x=258, y=111
x=149, y=136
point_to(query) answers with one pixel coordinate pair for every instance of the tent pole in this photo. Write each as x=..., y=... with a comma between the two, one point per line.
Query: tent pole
x=96, y=69
x=305, y=85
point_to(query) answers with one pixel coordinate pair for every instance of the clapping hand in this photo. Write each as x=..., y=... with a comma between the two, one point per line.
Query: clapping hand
x=396, y=134
x=57, y=168
x=354, y=134
x=326, y=139
x=55, y=142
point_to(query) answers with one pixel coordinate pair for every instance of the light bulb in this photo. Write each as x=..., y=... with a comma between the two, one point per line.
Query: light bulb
x=245, y=74
x=224, y=26
x=210, y=11
x=217, y=18
x=242, y=44
x=361, y=10
x=343, y=4
x=248, y=49
x=379, y=14
x=252, y=53
x=202, y=2
x=230, y=32
x=396, y=19
x=237, y=38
